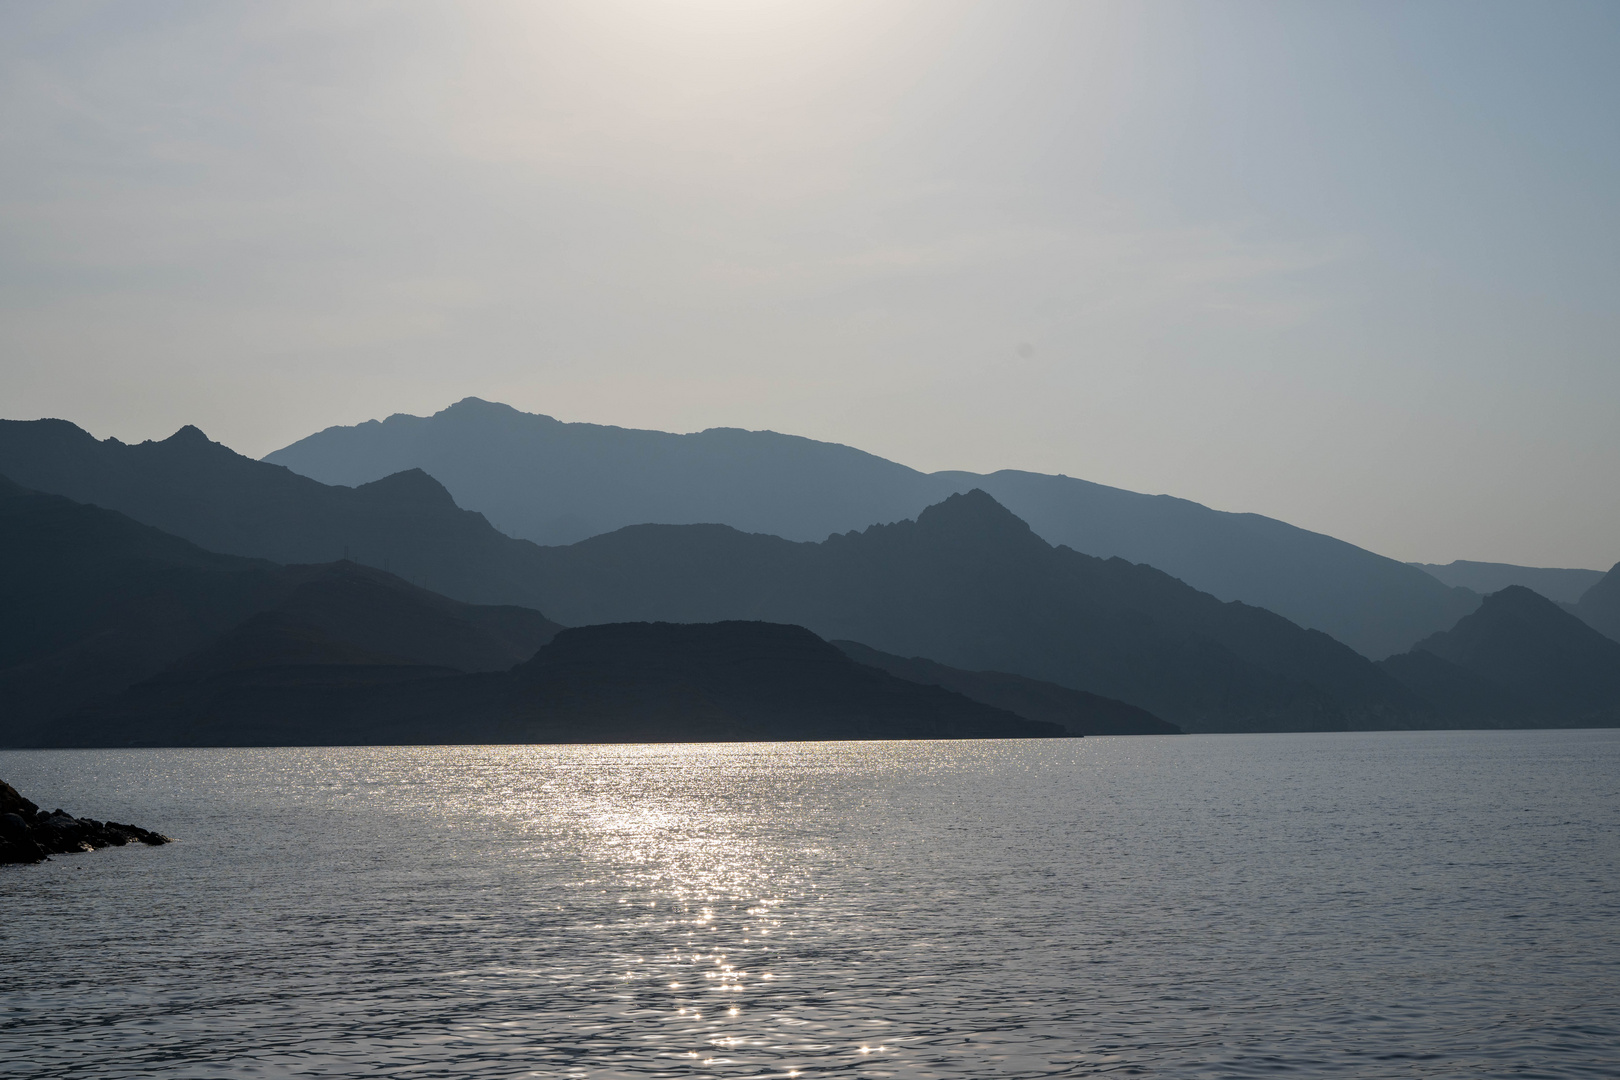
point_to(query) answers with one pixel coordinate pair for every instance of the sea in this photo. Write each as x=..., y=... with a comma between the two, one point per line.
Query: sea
x=1417, y=904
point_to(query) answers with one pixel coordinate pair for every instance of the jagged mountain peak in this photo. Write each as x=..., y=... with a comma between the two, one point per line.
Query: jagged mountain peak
x=975, y=514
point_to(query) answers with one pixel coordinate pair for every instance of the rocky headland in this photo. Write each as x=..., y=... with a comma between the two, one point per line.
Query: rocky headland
x=30, y=835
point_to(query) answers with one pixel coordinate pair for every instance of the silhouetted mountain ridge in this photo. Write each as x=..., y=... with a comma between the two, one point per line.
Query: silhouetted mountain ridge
x=191, y=487
x=556, y=483
x=118, y=634
x=96, y=601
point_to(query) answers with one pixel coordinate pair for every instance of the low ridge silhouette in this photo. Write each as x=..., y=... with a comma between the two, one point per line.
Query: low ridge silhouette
x=734, y=681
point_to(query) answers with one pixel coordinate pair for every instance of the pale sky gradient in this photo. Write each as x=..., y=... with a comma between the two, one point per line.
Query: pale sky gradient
x=1356, y=266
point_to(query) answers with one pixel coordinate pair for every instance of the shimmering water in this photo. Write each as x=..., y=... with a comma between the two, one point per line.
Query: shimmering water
x=1368, y=905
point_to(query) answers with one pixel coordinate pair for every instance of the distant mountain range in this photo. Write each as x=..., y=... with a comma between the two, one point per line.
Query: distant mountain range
x=1165, y=661
x=968, y=586
x=1560, y=585
x=119, y=615
x=555, y=483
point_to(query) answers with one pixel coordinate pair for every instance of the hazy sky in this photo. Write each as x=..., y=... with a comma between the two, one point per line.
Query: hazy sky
x=1356, y=266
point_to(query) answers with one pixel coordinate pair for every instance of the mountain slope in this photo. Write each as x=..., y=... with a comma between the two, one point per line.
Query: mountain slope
x=555, y=483
x=1599, y=606
x=970, y=585
x=94, y=601
x=379, y=612
x=1551, y=668
x=1458, y=696
x=1375, y=605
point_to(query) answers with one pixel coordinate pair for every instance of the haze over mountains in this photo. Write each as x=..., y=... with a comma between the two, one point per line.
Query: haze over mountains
x=1566, y=586
x=909, y=589
x=966, y=597
x=555, y=483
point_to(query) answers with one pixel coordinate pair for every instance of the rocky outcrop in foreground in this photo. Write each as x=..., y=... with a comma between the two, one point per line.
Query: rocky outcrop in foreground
x=29, y=835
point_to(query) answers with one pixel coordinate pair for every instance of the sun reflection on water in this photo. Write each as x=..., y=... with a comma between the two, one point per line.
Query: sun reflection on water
x=701, y=869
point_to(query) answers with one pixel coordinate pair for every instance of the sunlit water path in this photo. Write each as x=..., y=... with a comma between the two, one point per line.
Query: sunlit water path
x=1368, y=905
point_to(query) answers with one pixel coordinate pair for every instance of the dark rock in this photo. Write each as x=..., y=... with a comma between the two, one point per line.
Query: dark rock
x=13, y=828
x=29, y=836
x=13, y=803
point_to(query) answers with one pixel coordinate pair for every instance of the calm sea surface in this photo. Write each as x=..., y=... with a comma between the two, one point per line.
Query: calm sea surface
x=1367, y=905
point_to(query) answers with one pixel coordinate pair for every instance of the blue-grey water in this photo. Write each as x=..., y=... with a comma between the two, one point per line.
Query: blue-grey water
x=1367, y=905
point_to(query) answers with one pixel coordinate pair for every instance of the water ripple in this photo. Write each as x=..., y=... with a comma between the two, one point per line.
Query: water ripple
x=1371, y=905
